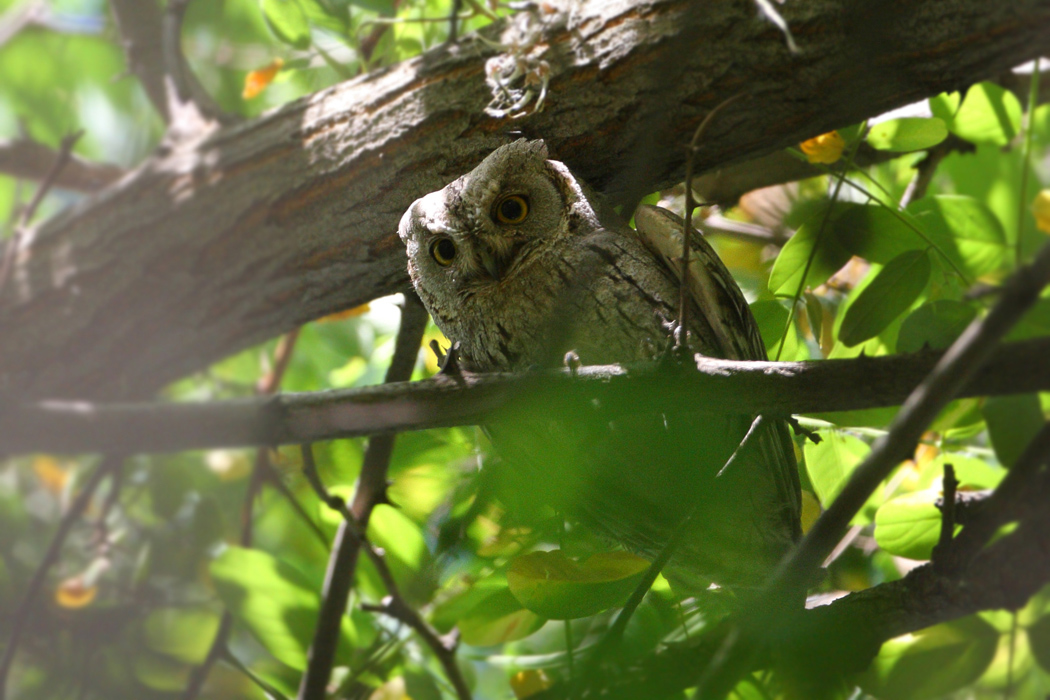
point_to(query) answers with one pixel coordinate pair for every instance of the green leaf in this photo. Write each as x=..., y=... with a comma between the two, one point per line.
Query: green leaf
x=498, y=618
x=830, y=462
x=328, y=15
x=275, y=601
x=1012, y=423
x=556, y=587
x=184, y=634
x=889, y=295
x=910, y=525
x=288, y=21
x=1039, y=641
x=964, y=229
x=989, y=114
x=873, y=232
x=787, y=271
x=772, y=316
x=1034, y=324
x=907, y=134
x=933, y=662
x=935, y=324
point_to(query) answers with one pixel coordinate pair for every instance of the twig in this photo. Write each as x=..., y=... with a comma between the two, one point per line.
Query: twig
x=944, y=543
x=1026, y=161
x=925, y=169
x=23, y=158
x=453, y=21
x=22, y=613
x=957, y=365
x=371, y=490
x=261, y=474
x=682, y=339
x=749, y=388
x=64, y=150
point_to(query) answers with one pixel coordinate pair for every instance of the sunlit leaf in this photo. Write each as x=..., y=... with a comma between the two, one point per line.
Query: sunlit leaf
x=909, y=525
x=556, y=587
x=288, y=22
x=907, y=134
x=185, y=634
x=964, y=229
x=1041, y=210
x=875, y=233
x=935, y=325
x=830, y=462
x=791, y=262
x=1012, y=423
x=275, y=601
x=931, y=663
x=889, y=295
x=497, y=618
x=988, y=114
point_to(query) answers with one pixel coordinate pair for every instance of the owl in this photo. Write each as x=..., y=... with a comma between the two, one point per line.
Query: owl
x=520, y=263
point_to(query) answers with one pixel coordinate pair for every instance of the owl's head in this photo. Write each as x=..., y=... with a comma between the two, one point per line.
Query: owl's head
x=487, y=226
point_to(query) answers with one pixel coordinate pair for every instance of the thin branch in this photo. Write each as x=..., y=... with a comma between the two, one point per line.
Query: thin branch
x=944, y=543
x=349, y=539
x=139, y=22
x=7, y=263
x=956, y=367
x=21, y=616
x=748, y=388
x=29, y=160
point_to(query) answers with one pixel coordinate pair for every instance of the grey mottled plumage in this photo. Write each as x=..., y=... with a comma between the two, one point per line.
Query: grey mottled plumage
x=519, y=263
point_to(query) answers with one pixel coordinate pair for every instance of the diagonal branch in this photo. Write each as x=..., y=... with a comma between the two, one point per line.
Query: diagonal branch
x=22, y=158
x=139, y=22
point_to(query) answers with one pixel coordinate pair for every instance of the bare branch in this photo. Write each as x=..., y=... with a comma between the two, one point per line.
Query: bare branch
x=22, y=158
x=139, y=22
x=349, y=539
x=776, y=388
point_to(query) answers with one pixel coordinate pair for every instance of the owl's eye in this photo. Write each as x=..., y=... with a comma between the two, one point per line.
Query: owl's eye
x=443, y=250
x=512, y=209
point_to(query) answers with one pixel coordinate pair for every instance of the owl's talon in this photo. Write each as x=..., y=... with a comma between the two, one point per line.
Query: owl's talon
x=448, y=363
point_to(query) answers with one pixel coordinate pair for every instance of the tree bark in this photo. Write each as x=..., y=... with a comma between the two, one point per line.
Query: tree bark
x=216, y=244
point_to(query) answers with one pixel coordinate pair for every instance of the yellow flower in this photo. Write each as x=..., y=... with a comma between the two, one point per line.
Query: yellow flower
x=1041, y=210
x=826, y=148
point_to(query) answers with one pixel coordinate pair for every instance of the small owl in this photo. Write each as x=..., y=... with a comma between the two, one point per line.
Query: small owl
x=520, y=262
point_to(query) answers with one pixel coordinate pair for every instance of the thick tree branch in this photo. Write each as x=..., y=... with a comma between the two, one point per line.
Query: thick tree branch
x=744, y=387
x=215, y=245
x=30, y=160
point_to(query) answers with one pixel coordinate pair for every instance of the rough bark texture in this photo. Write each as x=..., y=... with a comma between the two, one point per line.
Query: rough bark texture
x=214, y=245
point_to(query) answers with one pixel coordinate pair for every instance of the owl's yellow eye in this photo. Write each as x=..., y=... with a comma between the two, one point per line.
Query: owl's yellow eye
x=443, y=250
x=512, y=209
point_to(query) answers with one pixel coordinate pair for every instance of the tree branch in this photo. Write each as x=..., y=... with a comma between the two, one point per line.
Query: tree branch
x=22, y=158
x=139, y=22
x=349, y=539
x=776, y=388
x=166, y=279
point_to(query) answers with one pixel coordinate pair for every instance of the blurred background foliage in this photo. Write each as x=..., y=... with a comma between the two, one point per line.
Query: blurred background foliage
x=140, y=587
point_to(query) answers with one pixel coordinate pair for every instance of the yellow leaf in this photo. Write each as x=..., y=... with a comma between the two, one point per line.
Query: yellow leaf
x=530, y=682
x=52, y=475
x=810, y=510
x=73, y=593
x=1041, y=210
x=826, y=148
x=343, y=315
x=257, y=80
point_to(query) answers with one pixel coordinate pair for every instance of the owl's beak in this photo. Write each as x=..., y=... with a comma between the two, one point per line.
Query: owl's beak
x=491, y=263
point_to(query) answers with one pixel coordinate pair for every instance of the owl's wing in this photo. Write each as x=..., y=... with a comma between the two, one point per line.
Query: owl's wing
x=716, y=294
x=713, y=290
